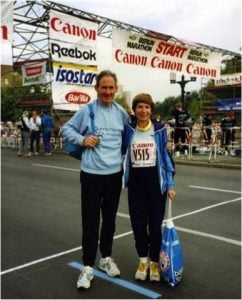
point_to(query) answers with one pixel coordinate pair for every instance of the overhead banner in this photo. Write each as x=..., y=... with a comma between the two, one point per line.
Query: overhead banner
x=229, y=79
x=73, y=53
x=6, y=21
x=228, y=104
x=72, y=30
x=6, y=32
x=73, y=47
x=71, y=97
x=140, y=50
x=34, y=73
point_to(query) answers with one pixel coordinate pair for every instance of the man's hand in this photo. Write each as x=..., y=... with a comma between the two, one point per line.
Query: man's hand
x=91, y=141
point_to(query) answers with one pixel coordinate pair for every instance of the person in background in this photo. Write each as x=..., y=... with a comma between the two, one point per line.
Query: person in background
x=47, y=126
x=35, y=126
x=24, y=127
x=228, y=132
x=148, y=174
x=181, y=133
x=206, y=127
x=57, y=134
x=101, y=174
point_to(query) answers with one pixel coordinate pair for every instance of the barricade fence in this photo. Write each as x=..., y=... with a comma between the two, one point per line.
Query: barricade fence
x=211, y=141
x=12, y=140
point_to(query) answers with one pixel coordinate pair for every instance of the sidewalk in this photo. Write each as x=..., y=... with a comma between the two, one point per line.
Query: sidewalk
x=221, y=161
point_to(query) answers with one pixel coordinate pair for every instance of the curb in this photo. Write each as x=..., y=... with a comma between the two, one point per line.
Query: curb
x=209, y=164
x=205, y=164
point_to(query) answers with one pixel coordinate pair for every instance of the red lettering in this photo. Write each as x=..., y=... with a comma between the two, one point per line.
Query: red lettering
x=36, y=70
x=71, y=29
x=170, y=49
x=77, y=98
x=4, y=31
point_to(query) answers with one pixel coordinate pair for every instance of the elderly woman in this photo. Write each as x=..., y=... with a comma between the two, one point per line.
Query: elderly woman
x=148, y=174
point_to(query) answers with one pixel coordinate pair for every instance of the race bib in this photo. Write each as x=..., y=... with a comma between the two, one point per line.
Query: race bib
x=143, y=154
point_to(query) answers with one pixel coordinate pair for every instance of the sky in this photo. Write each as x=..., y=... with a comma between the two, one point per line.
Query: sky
x=212, y=22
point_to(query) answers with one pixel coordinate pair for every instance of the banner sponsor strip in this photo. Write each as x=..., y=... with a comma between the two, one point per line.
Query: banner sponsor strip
x=34, y=73
x=229, y=79
x=73, y=47
x=74, y=74
x=6, y=22
x=72, y=30
x=74, y=53
x=71, y=97
x=140, y=50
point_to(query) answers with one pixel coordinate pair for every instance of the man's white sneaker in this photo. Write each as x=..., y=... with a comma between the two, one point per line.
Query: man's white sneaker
x=108, y=265
x=85, y=278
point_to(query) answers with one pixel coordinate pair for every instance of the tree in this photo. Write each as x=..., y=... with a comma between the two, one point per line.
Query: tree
x=122, y=101
x=232, y=66
x=8, y=104
x=164, y=109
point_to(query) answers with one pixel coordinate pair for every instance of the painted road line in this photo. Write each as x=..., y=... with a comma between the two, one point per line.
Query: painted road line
x=208, y=235
x=54, y=256
x=40, y=260
x=55, y=167
x=213, y=189
x=128, y=285
x=206, y=208
x=195, y=232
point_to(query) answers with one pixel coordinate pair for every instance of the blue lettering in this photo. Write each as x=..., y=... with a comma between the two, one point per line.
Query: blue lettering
x=70, y=76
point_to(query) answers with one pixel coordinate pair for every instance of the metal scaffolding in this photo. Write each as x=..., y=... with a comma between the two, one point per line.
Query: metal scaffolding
x=31, y=30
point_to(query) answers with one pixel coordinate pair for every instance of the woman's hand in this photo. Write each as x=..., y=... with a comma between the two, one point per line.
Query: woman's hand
x=171, y=194
x=91, y=141
x=169, y=146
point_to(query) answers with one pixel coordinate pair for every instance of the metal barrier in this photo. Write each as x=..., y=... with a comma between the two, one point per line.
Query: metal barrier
x=12, y=141
x=198, y=144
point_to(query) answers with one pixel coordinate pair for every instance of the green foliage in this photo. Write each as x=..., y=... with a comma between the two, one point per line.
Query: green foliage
x=232, y=66
x=7, y=104
x=164, y=109
x=122, y=101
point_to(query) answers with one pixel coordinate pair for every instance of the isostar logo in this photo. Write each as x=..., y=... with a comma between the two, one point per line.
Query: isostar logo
x=74, y=74
x=77, y=97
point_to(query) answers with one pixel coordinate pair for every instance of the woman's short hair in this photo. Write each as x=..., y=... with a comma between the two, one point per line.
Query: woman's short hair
x=143, y=98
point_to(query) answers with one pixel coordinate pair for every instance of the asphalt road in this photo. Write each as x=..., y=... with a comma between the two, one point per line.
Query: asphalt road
x=41, y=234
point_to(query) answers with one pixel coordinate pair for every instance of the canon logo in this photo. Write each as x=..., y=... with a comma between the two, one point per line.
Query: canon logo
x=71, y=29
x=77, y=98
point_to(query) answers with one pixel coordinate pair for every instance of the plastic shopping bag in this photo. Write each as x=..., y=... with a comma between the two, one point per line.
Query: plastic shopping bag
x=171, y=258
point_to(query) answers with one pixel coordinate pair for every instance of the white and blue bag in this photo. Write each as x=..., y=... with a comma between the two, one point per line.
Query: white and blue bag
x=171, y=257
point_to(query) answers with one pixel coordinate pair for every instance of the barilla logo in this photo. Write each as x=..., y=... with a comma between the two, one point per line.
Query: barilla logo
x=77, y=97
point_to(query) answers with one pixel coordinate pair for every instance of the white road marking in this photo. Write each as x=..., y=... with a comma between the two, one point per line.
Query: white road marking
x=40, y=260
x=213, y=189
x=195, y=232
x=56, y=167
x=54, y=256
x=206, y=208
x=208, y=235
